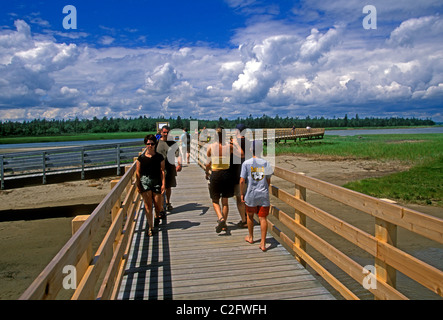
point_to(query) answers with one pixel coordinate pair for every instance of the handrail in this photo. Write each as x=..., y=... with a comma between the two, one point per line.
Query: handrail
x=63, y=160
x=382, y=246
x=110, y=256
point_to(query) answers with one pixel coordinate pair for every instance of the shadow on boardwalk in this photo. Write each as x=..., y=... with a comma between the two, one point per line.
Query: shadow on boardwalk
x=187, y=260
x=151, y=263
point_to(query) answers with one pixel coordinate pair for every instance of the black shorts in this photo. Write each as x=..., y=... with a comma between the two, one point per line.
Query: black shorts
x=221, y=185
x=149, y=184
x=170, y=175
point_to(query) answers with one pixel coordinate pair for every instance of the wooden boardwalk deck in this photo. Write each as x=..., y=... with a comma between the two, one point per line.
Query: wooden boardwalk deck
x=188, y=260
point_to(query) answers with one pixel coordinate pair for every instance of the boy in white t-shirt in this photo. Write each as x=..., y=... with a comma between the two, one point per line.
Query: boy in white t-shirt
x=255, y=179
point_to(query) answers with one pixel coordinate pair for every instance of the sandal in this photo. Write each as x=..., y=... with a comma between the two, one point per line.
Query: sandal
x=242, y=224
x=156, y=221
x=162, y=215
x=221, y=224
x=150, y=232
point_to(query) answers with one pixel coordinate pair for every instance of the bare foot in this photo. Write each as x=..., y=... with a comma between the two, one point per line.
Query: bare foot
x=249, y=239
x=263, y=247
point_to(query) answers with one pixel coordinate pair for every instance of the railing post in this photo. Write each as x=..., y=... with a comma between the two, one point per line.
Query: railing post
x=385, y=232
x=85, y=260
x=83, y=163
x=300, y=218
x=117, y=204
x=2, y=172
x=118, y=160
x=114, y=211
x=44, y=166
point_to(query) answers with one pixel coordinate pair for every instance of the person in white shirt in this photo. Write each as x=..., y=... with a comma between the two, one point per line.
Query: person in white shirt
x=255, y=179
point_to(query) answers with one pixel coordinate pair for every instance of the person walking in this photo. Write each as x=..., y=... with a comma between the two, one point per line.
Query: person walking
x=150, y=180
x=237, y=159
x=255, y=179
x=220, y=180
x=169, y=150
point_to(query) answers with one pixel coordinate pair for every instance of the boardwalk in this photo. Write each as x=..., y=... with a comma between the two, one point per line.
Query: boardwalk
x=188, y=260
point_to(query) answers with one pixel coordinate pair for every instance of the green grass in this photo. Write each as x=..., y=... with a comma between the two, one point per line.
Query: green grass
x=413, y=149
x=422, y=184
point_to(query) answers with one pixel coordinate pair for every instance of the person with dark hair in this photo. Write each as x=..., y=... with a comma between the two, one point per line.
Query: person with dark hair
x=237, y=158
x=256, y=175
x=169, y=150
x=221, y=183
x=150, y=180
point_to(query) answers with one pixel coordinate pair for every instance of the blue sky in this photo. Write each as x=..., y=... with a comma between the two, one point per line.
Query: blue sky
x=228, y=58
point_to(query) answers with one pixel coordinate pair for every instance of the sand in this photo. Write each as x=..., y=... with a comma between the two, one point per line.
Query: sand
x=26, y=247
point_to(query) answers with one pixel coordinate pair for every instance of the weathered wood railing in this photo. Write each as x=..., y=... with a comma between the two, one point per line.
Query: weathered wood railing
x=64, y=160
x=98, y=275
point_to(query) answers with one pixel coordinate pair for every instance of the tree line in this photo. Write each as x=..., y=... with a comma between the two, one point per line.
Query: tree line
x=39, y=127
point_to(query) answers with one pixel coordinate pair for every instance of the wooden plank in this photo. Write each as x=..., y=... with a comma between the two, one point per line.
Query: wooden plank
x=110, y=280
x=325, y=274
x=420, y=223
x=338, y=258
x=187, y=259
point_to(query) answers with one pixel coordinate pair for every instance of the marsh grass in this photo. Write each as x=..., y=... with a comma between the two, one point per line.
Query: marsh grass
x=422, y=184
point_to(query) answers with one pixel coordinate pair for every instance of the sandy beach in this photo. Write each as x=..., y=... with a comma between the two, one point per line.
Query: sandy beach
x=27, y=246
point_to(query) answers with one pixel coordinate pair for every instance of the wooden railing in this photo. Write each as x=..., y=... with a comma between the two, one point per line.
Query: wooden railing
x=277, y=134
x=298, y=133
x=382, y=246
x=65, y=160
x=98, y=275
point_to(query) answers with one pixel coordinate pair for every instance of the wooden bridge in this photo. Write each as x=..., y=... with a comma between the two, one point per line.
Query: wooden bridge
x=186, y=259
